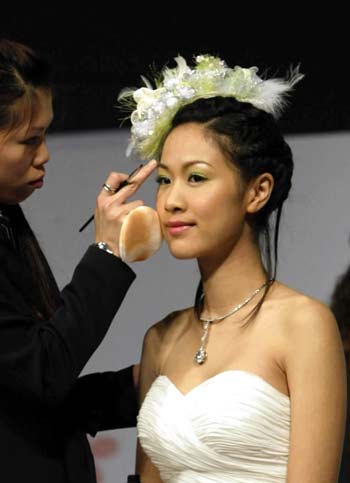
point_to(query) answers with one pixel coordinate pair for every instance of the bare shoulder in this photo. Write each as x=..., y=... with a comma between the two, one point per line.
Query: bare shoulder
x=165, y=329
x=302, y=312
x=157, y=340
x=305, y=323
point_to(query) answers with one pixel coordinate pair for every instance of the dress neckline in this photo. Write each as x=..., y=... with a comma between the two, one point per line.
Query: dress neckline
x=225, y=373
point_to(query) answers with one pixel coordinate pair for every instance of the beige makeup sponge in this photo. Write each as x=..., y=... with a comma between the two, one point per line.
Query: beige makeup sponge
x=140, y=235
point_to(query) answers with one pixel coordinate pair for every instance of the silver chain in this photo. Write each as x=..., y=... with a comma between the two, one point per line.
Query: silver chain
x=201, y=355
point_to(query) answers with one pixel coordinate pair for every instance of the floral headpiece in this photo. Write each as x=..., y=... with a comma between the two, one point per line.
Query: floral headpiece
x=153, y=109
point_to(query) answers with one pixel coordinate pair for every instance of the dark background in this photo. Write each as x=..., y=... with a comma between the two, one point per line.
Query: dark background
x=99, y=50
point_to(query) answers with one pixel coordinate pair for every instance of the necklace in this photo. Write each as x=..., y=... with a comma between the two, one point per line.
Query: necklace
x=201, y=355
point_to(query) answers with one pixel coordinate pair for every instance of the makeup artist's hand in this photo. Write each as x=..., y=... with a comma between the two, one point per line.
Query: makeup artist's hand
x=112, y=208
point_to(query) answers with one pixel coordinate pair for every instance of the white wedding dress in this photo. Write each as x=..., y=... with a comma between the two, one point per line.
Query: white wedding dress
x=233, y=427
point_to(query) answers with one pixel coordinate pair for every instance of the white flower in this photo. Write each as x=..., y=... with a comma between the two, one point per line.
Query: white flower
x=155, y=108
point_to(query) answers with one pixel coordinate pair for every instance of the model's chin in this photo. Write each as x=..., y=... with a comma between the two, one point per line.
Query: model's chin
x=183, y=256
x=182, y=251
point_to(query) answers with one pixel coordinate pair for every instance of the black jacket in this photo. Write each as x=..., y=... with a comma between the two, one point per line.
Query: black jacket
x=45, y=409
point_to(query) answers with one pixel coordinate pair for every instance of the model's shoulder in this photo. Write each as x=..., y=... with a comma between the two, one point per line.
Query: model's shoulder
x=301, y=313
x=168, y=325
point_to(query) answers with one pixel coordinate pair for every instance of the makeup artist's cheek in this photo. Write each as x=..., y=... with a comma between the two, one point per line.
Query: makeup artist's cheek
x=19, y=170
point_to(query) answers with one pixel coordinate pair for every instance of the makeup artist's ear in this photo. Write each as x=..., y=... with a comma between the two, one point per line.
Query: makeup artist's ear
x=259, y=192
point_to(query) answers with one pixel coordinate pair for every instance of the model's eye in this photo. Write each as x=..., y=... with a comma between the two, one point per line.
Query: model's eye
x=35, y=140
x=162, y=180
x=196, y=178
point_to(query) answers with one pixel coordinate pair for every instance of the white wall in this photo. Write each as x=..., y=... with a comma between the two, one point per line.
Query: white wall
x=313, y=249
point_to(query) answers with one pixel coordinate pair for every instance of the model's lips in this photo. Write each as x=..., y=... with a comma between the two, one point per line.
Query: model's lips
x=178, y=227
x=174, y=224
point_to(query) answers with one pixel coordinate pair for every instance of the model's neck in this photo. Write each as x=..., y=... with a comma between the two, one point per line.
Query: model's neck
x=232, y=277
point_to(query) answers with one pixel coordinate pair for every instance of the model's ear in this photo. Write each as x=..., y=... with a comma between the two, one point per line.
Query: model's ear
x=259, y=192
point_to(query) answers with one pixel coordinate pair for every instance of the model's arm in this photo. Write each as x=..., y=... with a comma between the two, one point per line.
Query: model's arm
x=149, y=370
x=316, y=374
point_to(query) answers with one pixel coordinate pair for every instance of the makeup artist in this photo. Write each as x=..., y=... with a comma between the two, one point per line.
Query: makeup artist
x=47, y=336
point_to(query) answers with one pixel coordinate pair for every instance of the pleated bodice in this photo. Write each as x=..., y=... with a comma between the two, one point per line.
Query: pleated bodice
x=233, y=427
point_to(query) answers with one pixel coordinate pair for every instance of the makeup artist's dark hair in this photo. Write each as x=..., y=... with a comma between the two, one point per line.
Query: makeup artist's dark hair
x=22, y=71
x=251, y=139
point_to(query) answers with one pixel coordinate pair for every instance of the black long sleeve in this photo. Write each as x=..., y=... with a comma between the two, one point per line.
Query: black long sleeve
x=46, y=409
x=101, y=401
x=40, y=361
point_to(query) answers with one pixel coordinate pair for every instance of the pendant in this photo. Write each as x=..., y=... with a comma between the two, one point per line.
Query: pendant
x=200, y=356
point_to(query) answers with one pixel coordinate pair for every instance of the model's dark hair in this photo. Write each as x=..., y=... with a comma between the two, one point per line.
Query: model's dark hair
x=251, y=139
x=22, y=71
x=340, y=303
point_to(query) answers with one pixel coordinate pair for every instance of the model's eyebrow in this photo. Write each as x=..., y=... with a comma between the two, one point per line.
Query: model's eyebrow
x=185, y=165
x=39, y=129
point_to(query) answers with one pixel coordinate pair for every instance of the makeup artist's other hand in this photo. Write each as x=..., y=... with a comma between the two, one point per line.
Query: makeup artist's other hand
x=112, y=208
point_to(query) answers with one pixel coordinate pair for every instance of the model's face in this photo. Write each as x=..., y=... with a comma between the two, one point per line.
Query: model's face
x=23, y=153
x=200, y=199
